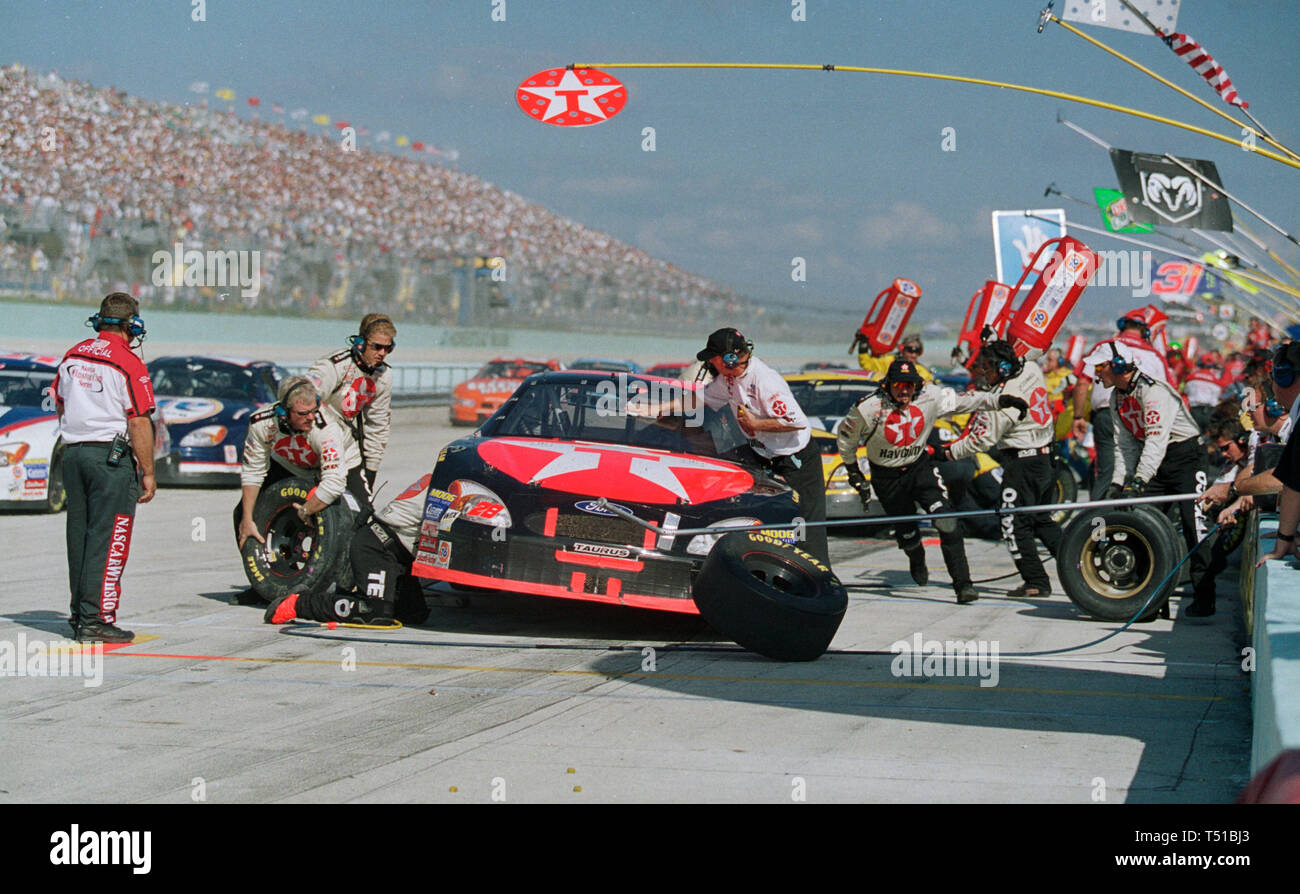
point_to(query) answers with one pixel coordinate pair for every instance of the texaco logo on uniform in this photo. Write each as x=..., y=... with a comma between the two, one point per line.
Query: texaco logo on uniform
x=1130, y=413
x=1039, y=409
x=903, y=426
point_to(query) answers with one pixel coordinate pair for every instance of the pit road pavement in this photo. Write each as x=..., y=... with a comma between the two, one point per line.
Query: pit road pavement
x=527, y=699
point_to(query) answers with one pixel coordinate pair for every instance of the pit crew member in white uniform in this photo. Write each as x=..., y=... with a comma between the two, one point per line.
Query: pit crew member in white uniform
x=357, y=386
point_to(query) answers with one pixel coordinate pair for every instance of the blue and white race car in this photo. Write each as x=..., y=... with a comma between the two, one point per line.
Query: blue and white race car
x=207, y=402
x=31, y=463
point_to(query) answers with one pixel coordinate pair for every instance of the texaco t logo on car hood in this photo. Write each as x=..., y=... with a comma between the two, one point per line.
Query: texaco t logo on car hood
x=571, y=98
x=616, y=472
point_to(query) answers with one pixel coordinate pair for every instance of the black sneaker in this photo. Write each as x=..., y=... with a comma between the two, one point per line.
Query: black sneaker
x=920, y=574
x=103, y=632
x=966, y=594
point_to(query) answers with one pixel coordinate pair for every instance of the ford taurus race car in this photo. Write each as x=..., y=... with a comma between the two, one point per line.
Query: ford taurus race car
x=517, y=505
x=31, y=457
x=207, y=402
x=473, y=401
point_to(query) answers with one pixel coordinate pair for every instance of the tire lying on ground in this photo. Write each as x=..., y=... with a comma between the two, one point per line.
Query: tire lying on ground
x=297, y=557
x=1112, y=561
x=770, y=597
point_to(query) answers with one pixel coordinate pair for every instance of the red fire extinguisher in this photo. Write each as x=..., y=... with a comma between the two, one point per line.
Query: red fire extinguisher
x=985, y=309
x=1067, y=273
x=883, y=326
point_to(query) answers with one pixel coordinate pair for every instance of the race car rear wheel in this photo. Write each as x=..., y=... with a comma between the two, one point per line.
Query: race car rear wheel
x=770, y=597
x=1113, y=562
x=56, y=492
x=297, y=557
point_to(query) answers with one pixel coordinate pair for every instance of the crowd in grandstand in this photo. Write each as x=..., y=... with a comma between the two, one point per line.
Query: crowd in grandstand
x=112, y=163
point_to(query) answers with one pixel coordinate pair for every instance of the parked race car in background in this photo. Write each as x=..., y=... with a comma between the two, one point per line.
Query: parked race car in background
x=675, y=370
x=474, y=400
x=825, y=398
x=31, y=461
x=516, y=506
x=206, y=402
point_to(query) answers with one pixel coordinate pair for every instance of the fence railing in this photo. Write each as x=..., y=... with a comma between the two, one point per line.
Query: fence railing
x=417, y=383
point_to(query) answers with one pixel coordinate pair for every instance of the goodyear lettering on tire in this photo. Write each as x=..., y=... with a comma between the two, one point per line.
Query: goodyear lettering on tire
x=766, y=539
x=251, y=562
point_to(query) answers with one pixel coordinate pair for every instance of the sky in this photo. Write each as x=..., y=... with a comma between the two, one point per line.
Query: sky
x=750, y=170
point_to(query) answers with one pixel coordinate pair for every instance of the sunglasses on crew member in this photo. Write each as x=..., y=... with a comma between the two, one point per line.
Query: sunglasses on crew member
x=386, y=348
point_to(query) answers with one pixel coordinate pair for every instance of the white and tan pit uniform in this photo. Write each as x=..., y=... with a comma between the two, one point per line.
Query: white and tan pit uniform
x=362, y=401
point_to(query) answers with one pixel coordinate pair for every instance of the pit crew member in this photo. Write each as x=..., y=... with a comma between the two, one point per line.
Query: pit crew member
x=381, y=554
x=1157, y=448
x=294, y=437
x=357, y=386
x=894, y=424
x=1025, y=443
x=776, y=426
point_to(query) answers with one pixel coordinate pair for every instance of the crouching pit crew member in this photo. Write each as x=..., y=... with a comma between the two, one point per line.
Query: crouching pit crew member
x=777, y=429
x=1157, y=451
x=104, y=400
x=294, y=438
x=1026, y=445
x=382, y=553
x=894, y=424
x=357, y=385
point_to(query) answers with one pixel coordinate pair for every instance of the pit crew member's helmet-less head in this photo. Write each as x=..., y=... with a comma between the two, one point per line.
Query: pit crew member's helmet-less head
x=995, y=363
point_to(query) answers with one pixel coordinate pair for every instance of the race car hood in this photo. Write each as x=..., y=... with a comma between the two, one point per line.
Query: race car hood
x=634, y=474
x=183, y=414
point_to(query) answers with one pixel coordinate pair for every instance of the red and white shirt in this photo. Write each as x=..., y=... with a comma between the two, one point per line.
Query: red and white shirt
x=100, y=384
x=1148, y=360
x=324, y=452
x=762, y=392
x=361, y=401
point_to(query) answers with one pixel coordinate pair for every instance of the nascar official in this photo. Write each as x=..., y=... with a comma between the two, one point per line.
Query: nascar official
x=357, y=386
x=1026, y=444
x=894, y=424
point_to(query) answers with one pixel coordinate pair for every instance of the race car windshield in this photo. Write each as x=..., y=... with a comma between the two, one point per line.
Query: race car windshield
x=216, y=381
x=829, y=398
x=25, y=388
x=591, y=411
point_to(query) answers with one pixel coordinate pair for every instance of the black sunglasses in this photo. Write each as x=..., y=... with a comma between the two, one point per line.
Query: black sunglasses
x=376, y=346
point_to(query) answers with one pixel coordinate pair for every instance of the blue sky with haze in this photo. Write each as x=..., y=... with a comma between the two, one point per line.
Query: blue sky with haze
x=751, y=168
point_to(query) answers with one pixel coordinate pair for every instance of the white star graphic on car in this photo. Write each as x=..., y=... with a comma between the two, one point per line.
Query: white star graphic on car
x=572, y=95
x=582, y=458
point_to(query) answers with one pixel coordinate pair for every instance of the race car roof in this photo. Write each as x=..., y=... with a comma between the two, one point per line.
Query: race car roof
x=16, y=360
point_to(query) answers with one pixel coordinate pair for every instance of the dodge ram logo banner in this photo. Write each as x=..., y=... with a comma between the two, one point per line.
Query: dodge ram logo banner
x=571, y=98
x=1160, y=192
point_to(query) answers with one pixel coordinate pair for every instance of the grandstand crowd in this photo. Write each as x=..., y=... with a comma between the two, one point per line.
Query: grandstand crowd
x=113, y=166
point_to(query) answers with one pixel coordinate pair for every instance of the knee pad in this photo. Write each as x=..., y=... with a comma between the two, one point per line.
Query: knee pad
x=943, y=525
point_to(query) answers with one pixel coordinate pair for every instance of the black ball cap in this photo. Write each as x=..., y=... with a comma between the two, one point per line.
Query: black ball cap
x=903, y=371
x=723, y=341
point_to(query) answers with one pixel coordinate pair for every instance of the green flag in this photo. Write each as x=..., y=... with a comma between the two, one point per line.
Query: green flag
x=1114, y=212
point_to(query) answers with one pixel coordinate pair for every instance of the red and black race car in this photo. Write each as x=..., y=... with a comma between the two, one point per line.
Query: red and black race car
x=515, y=507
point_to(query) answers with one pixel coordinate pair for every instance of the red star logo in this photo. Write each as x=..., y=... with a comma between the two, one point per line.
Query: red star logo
x=573, y=97
x=357, y=396
x=1130, y=413
x=296, y=450
x=1039, y=409
x=904, y=426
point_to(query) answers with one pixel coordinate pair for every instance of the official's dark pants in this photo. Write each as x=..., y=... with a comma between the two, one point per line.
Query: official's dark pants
x=900, y=490
x=1029, y=481
x=809, y=483
x=1103, y=437
x=381, y=567
x=1183, y=472
x=101, y=512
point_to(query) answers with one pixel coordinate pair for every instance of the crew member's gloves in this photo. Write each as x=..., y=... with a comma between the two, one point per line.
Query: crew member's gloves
x=1010, y=400
x=1113, y=492
x=941, y=454
x=859, y=482
x=1135, y=487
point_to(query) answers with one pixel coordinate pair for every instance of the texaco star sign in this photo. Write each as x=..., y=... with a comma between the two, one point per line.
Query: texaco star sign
x=571, y=98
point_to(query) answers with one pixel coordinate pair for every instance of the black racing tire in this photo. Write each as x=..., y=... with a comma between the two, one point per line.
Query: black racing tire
x=56, y=492
x=1113, y=576
x=770, y=597
x=1064, y=490
x=297, y=558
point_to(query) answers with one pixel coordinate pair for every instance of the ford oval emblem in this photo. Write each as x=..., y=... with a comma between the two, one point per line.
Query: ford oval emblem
x=595, y=509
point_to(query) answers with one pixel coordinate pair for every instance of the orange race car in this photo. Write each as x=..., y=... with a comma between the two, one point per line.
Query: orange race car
x=473, y=401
